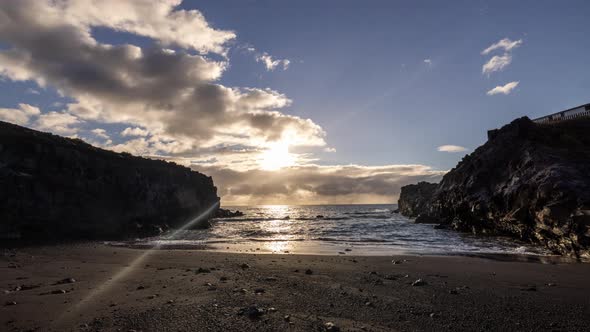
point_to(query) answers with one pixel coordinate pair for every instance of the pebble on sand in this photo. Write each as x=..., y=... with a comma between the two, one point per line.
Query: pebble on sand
x=419, y=282
x=331, y=327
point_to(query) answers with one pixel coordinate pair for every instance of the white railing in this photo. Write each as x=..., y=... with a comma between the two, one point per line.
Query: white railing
x=571, y=114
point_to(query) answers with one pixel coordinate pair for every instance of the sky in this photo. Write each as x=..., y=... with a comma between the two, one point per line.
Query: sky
x=292, y=102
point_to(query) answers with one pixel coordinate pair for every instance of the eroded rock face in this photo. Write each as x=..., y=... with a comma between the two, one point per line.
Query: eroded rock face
x=529, y=181
x=414, y=198
x=55, y=188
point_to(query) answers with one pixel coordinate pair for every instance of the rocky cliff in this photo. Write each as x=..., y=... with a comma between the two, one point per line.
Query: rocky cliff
x=528, y=181
x=55, y=188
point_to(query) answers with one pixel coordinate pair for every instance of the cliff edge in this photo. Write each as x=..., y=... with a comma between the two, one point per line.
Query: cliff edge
x=529, y=181
x=56, y=188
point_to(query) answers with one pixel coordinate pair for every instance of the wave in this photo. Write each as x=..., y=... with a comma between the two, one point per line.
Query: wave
x=369, y=240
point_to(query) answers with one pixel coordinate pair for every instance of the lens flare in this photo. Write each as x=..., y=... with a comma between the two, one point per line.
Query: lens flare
x=138, y=261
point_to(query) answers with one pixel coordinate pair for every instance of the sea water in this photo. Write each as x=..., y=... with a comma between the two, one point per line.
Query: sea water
x=337, y=229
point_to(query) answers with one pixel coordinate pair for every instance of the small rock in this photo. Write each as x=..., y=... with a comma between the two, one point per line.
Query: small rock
x=252, y=312
x=170, y=301
x=202, y=270
x=140, y=287
x=347, y=249
x=271, y=279
x=551, y=284
x=454, y=292
x=245, y=266
x=287, y=318
x=65, y=281
x=10, y=303
x=419, y=282
x=308, y=271
x=432, y=315
x=331, y=327
x=395, y=262
x=259, y=291
x=59, y=291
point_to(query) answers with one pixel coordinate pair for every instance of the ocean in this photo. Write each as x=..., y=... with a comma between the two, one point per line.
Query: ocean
x=336, y=229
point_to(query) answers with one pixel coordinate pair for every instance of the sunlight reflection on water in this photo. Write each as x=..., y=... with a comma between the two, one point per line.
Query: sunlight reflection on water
x=332, y=229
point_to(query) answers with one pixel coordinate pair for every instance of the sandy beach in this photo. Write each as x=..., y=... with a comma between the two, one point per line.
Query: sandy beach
x=95, y=287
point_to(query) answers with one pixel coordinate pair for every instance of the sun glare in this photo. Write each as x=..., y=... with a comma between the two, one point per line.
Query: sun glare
x=276, y=157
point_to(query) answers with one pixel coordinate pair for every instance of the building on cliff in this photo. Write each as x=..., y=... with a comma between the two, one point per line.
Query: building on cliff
x=569, y=114
x=582, y=111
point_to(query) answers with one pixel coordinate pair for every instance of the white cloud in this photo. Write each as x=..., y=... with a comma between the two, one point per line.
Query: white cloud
x=503, y=89
x=270, y=63
x=20, y=116
x=99, y=132
x=496, y=63
x=33, y=91
x=134, y=132
x=451, y=148
x=173, y=95
x=160, y=20
x=504, y=44
x=57, y=122
x=428, y=62
x=172, y=104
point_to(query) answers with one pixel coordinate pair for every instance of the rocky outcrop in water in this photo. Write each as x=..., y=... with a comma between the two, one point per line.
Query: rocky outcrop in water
x=414, y=198
x=528, y=181
x=55, y=188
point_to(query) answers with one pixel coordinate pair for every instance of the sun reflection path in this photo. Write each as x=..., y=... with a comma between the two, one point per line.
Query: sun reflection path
x=109, y=283
x=282, y=228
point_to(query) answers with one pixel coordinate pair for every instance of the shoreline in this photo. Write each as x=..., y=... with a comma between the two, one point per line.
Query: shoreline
x=248, y=250
x=117, y=288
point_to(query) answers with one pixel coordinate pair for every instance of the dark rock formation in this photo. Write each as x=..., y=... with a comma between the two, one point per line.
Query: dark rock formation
x=55, y=188
x=529, y=181
x=414, y=198
x=224, y=213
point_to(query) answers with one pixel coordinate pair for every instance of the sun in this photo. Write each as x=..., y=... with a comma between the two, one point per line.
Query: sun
x=276, y=157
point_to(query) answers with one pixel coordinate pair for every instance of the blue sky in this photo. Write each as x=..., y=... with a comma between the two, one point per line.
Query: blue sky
x=358, y=68
x=388, y=82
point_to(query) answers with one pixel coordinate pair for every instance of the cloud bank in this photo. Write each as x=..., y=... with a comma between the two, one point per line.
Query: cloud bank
x=169, y=100
x=318, y=184
x=172, y=94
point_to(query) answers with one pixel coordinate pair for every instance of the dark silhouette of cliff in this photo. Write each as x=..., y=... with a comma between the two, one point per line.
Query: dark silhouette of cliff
x=56, y=188
x=529, y=181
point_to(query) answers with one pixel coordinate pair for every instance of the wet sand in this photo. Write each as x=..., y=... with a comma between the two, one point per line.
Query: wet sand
x=94, y=287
